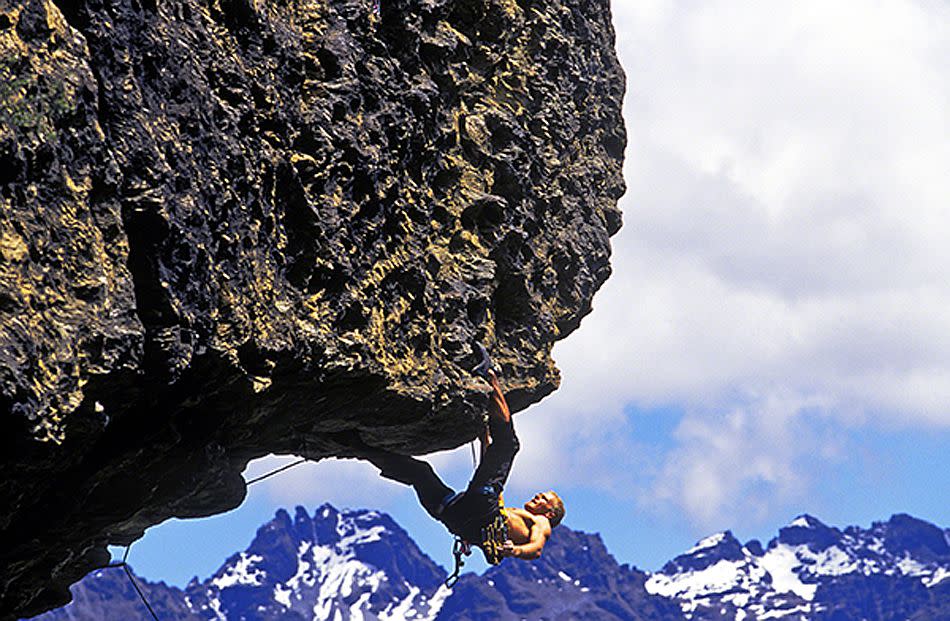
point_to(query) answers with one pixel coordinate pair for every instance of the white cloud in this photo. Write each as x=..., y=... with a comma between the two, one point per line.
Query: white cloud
x=784, y=246
x=788, y=200
x=741, y=464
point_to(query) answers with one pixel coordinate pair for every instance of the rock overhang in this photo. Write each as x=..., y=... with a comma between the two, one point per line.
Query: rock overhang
x=237, y=228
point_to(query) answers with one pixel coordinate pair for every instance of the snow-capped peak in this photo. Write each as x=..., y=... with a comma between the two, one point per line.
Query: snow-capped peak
x=804, y=521
x=330, y=564
x=709, y=542
x=810, y=531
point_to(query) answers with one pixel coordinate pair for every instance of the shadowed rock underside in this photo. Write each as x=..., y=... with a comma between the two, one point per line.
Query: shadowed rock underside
x=239, y=227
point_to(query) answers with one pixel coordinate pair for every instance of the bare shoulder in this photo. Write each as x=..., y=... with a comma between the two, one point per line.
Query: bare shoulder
x=518, y=512
x=518, y=515
x=531, y=520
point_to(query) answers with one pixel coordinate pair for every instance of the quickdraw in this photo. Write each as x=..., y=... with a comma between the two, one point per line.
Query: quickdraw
x=459, y=548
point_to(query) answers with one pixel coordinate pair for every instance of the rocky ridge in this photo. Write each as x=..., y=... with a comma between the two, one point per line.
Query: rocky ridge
x=811, y=571
x=230, y=228
x=358, y=564
x=326, y=566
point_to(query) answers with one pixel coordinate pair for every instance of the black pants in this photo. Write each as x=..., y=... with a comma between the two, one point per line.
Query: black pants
x=464, y=513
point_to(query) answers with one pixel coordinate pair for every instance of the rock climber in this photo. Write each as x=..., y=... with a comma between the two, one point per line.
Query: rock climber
x=477, y=515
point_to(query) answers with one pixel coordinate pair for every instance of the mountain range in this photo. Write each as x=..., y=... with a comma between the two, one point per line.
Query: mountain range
x=361, y=565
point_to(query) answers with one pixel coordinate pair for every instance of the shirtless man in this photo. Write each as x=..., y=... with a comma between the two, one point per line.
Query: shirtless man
x=473, y=514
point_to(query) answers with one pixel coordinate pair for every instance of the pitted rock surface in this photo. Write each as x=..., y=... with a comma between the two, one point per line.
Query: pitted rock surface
x=232, y=228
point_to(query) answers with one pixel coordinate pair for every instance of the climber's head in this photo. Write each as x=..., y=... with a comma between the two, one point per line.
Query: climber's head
x=548, y=504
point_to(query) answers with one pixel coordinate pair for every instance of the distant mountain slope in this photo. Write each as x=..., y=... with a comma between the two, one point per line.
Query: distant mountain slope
x=575, y=578
x=356, y=564
x=332, y=565
x=107, y=595
x=894, y=570
x=361, y=565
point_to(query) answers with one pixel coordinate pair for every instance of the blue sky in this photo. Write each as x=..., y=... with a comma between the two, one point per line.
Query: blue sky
x=775, y=337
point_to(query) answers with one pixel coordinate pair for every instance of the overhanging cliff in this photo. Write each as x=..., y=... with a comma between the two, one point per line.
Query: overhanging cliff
x=237, y=227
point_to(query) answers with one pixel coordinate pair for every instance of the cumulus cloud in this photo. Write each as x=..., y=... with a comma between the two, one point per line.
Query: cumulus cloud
x=784, y=248
x=743, y=462
x=784, y=223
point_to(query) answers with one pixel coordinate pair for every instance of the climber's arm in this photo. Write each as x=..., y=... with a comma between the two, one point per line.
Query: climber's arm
x=498, y=407
x=497, y=410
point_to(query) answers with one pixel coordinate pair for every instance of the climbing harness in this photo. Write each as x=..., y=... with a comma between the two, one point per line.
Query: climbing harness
x=494, y=536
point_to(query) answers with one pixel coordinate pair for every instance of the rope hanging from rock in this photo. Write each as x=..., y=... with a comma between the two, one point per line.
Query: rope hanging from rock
x=276, y=471
x=124, y=563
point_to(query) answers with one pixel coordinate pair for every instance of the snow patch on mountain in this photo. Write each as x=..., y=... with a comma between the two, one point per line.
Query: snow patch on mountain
x=709, y=542
x=282, y=595
x=941, y=574
x=242, y=572
x=730, y=581
x=782, y=564
x=801, y=522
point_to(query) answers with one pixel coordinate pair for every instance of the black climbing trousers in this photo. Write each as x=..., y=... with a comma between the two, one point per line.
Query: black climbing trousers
x=463, y=513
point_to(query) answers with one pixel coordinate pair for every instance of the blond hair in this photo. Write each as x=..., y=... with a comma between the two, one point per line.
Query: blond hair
x=557, y=508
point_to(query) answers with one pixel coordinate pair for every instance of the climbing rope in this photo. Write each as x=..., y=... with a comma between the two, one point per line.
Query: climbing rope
x=460, y=547
x=275, y=471
x=124, y=563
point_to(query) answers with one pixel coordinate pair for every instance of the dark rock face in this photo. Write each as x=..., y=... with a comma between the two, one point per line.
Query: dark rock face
x=233, y=228
x=905, y=535
x=809, y=531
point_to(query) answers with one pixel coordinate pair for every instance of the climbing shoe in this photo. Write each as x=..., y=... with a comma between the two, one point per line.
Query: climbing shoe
x=485, y=365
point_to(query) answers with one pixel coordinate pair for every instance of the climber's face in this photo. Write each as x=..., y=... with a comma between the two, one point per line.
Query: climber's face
x=541, y=504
